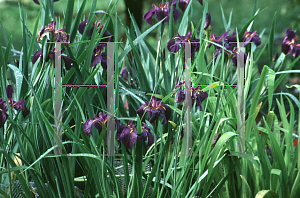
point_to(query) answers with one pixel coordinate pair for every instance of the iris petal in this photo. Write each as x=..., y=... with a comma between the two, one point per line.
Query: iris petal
x=141, y=111
x=9, y=92
x=285, y=47
x=128, y=139
x=180, y=96
x=148, y=16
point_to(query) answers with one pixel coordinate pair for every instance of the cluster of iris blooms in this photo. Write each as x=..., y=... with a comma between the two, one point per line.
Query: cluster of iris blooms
x=19, y=105
x=55, y=36
x=98, y=54
x=164, y=10
x=156, y=110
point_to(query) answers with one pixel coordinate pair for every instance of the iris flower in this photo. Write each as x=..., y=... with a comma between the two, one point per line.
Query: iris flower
x=219, y=39
x=174, y=44
x=251, y=37
x=98, y=122
x=196, y=95
x=106, y=33
x=58, y=35
x=98, y=57
x=19, y=105
x=161, y=12
x=128, y=135
x=290, y=43
x=208, y=22
x=155, y=109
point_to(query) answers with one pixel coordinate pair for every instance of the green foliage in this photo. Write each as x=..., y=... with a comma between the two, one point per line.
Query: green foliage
x=269, y=166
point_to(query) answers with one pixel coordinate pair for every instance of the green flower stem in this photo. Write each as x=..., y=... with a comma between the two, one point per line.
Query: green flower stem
x=104, y=138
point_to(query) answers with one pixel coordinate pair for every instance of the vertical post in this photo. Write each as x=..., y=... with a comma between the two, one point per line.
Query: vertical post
x=57, y=95
x=240, y=98
x=110, y=99
x=188, y=106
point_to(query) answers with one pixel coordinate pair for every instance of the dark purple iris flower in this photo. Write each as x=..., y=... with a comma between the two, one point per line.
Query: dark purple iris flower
x=174, y=44
x=98, y=57
x=161, y=12
x=219, y=39
x=58, y=35
x=66, y=58
x=98, y=122
x=128, y=135
x=208, y=22
x=155, y=109
x=106, y=33
x=37, y=2
x=19, y=105
x=182, y=4
x=251, y=37
x=196, y=95
x=290, y=43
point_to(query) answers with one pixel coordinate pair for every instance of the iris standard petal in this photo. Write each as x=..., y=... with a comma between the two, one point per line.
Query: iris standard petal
x=82, y=26
x=290, y=34
x=160, y=14
x=153, y=113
